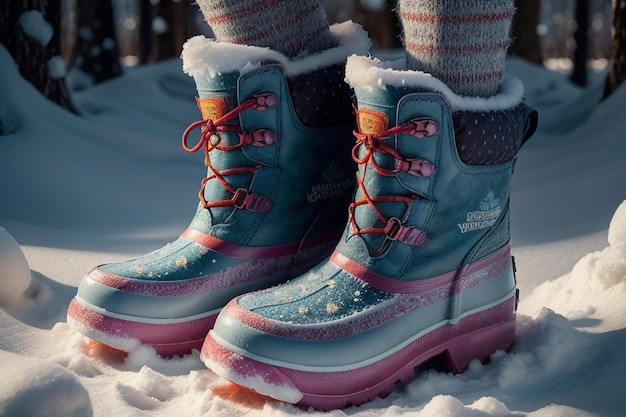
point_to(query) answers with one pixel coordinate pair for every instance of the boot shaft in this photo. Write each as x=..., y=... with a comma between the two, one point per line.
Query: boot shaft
x=293, y=176
x=420, y=210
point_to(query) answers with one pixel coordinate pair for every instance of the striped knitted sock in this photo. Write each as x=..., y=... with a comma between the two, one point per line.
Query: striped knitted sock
x=463, y=43
x=292, y=27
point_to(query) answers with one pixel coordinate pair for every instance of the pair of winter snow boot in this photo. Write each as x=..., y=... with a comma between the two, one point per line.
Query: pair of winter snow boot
x=325, y=263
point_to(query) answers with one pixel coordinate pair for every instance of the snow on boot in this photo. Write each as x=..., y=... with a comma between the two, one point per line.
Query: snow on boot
x=276, y=135
x=423, y=269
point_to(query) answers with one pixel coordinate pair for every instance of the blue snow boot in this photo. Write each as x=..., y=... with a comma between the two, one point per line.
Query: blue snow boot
x=423, y=269
x=276, y=136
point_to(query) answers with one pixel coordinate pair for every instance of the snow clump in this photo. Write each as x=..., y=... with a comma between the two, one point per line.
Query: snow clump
x=593, y=292
x=15, y=275
x=34, y=25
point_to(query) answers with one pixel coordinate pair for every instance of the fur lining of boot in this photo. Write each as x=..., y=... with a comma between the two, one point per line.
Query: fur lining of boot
x=206, y=57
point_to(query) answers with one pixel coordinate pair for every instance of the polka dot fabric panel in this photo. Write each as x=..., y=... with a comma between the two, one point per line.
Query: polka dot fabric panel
x=484, y=138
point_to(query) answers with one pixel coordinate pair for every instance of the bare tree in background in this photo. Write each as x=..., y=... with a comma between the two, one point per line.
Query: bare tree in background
x=96, y=51
x=382, y=25
x=581, y=54
x=30, y=31
x=163, y=29
x=145, y=30
x=617, y=73
x=525, y=38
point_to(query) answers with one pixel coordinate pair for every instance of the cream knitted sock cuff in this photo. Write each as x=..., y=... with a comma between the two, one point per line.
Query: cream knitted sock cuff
x=292, y=27
x=462, y=43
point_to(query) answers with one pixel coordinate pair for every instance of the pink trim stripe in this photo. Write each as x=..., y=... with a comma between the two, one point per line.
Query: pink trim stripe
x=238, y=251
x=247, y=271
x=254, y=252
x=388, y=284
x=167, y=339
x=409, y=296
x=261, y=262
x=430, y=18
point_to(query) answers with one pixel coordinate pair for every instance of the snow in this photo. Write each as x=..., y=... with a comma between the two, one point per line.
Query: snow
x=114, y=184
x=35, y=25
x=85, y=32
x=56, y=390
x=617, y=229
x=56, y=67
x=371, y=73
x=203, y=56
x=15, y=273
x=159, y=25
x=108, y=44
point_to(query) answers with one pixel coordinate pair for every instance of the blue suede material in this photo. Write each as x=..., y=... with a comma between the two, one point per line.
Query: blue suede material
x=459, y=203
x=325, y=293
x=337, y=351
x=302, y=159
x=149, y=307
x=214, y=191
x=179, y=260
x=329, y=320
x=463, y=209
x=306, y=174
x=224, y=83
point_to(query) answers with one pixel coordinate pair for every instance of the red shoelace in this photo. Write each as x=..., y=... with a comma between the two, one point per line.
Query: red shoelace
x=211, y=139
x=378, y=143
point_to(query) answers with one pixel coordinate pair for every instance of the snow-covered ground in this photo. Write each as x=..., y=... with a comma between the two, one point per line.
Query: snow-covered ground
x=114, y=184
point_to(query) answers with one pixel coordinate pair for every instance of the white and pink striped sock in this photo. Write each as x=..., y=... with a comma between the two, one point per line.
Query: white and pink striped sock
x=292, y=27
x=462, y=43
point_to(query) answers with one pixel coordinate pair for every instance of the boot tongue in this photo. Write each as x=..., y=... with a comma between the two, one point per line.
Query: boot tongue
x=217, y=96
x=372, y=121
x=215, y=106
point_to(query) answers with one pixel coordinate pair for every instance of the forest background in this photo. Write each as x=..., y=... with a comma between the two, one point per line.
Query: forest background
x=80, y=43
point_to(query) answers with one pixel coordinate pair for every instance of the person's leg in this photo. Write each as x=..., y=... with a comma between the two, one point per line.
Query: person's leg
x=462, y=43
x=292, y=27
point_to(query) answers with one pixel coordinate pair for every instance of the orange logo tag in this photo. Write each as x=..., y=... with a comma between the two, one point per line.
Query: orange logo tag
x=215, y=107
x=372, y=121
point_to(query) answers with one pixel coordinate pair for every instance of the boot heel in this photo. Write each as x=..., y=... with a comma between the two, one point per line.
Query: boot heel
x=479, y=344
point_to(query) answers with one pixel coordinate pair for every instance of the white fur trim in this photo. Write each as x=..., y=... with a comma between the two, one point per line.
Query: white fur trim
x=370, y=73
x=206, y=57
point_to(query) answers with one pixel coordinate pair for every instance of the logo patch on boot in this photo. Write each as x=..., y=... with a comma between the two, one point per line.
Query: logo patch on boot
x=214, y=107
x=334, y=184
x=372, y=121
x=489, y=212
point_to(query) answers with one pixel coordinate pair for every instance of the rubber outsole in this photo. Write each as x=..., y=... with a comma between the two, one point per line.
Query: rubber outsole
x=476, y=336
x=174, y=339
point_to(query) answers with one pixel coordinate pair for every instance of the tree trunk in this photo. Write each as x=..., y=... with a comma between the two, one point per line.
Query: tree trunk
x=96, y=51
x=581, y=54
x=33, y=40
x=145, y=30
x=617, y=73
x=169, y=27
x=526, y=42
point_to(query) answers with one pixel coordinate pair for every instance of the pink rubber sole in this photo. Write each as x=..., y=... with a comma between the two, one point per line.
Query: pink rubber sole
x=174, y=339
x=474, y=337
